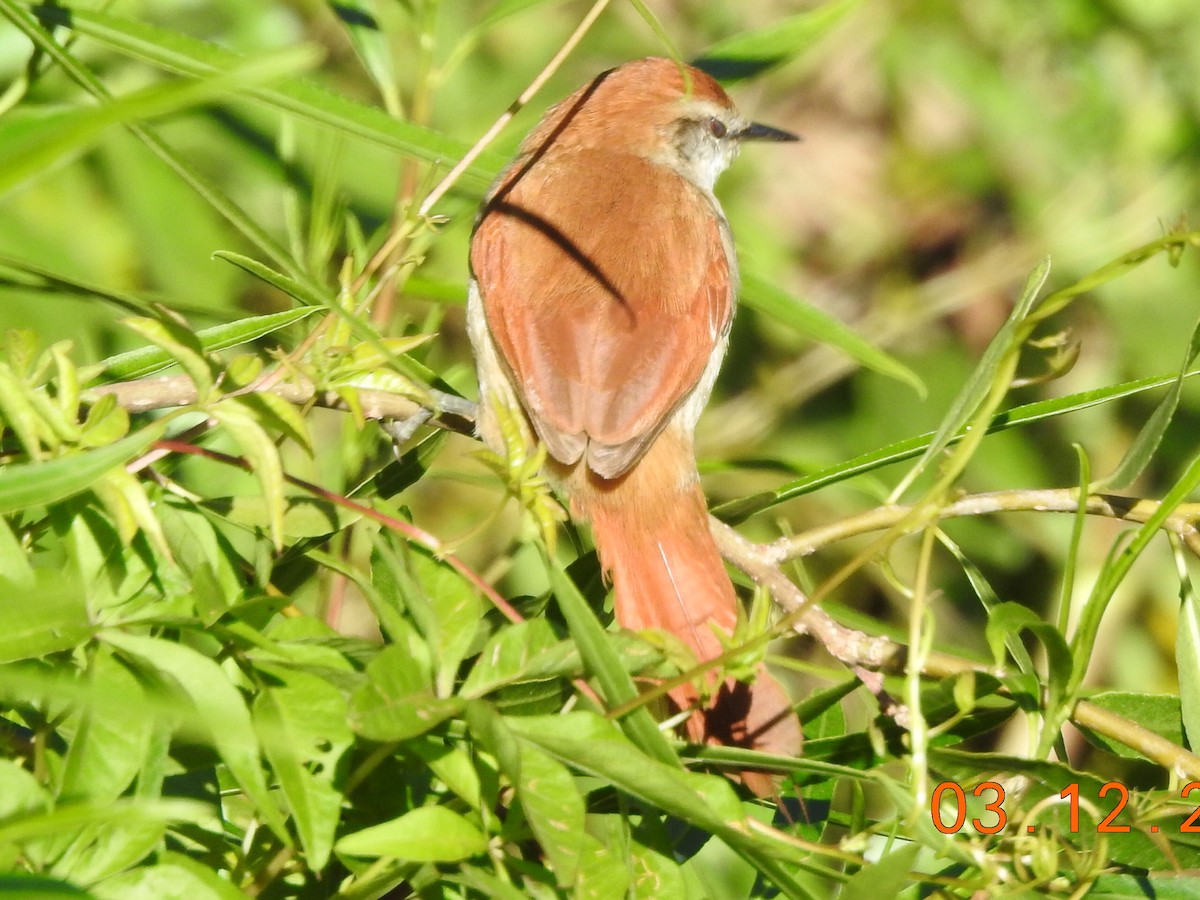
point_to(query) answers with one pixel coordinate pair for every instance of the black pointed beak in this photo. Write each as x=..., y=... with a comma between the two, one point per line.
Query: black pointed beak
x=758, y=132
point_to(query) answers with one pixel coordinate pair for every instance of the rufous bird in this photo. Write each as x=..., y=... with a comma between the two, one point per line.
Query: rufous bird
x=603, y=286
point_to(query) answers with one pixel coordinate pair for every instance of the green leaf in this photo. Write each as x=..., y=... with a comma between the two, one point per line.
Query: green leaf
x=1009, y=619
x=406, y=471
x=67, y=817
x=106, y=423
x=428, y=834
x=179, y=53
x=304, y=732
x=452, y=764
x=1187, y=653
x=1159, y=713
x=161, y=882
x=1138, y=887
x=1144, y=446
x=99, y=853
x=20, y=416
x=981, y=383
x=361, y=21
x=148, y=360
x=219, y=887
x=278, y=414
x=20, y=792
x=210, y=565
x=886, y=877
x=554, y=809
x=735, y=511
x=181, y=345
x=30, y=144
x=603, y=662
x=752, y=52
x=771, y=300
x=603, y=871
x=235, y=215
x=989, y=601
x=290, y=286
x=21, y=886
x=263, y=456
x=1118, y=564
x=526, y=651
x=397, y=702
x=453, y=613
x=46, y=279
x=110, y=742
x=593, y=745
x=219, y=708
x=303, y=517
x=14, y=561
x=56, y=620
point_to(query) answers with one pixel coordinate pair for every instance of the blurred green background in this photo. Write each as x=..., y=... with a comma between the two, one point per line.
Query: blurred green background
x=947, y=148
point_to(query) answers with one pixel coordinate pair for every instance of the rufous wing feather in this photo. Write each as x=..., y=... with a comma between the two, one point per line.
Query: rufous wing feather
x=604, y=335
x=606, y=280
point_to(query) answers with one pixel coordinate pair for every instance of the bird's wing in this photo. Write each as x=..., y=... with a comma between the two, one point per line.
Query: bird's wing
x=607, y=285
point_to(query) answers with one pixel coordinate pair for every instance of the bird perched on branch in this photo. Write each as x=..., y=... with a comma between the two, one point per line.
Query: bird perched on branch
x=603, y=287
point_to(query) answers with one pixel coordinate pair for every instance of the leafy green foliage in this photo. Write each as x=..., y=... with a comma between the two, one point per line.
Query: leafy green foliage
x=250, y=648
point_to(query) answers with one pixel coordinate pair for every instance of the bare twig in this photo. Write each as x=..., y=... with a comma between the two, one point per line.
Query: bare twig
x=444, y=410
x=1065, y=500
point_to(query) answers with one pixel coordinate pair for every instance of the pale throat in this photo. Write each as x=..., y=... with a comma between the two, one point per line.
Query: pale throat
x=690, y=148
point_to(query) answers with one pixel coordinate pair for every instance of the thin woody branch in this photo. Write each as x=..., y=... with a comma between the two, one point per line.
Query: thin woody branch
x=148, y=394
x=761, y=562
x=1065, y=500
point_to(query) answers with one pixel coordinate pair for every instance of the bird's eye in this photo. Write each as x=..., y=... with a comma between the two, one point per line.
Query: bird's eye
x=717, y=128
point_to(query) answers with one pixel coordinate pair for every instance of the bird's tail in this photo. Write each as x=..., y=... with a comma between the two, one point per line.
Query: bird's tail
x=651, y=531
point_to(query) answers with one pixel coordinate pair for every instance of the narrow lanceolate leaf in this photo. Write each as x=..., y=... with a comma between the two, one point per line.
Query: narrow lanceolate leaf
x=14, y=561
x=735, y=511
x=979, y=385
x=428, y=834
x=554, y=809
x=182, y=347
x=179, y=53
x=1117, y=565
x=1187, y=651
x=263, y=456
x=127, y=812
x=770, y=300
x=751, y=52
x=361, y=20
x=148, y=360
x=1151, y=434
x=603, y=662
x=220, y=711
x=31, y=144
x=592, y=744
x=24, y=485
x=1006, y=621
x=546, y=790
x=451, y=613
x=289, y=286
x=40, y=35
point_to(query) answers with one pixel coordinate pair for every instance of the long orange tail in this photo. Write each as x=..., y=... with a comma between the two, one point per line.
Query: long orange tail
x=651, y=531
